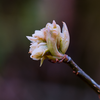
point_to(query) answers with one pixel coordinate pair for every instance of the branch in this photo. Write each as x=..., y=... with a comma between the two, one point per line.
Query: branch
x=80, y=73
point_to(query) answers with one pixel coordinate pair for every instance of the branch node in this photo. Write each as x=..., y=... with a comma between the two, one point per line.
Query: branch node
x=98, y=91
x=77, y=72
x=69, y=58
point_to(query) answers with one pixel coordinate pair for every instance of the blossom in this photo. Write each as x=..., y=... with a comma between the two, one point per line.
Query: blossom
x=49, y=42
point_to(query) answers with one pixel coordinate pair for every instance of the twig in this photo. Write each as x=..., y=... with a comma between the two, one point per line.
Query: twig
x=80, y=73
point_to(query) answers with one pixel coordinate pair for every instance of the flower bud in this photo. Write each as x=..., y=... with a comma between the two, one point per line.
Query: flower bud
x=49, y=42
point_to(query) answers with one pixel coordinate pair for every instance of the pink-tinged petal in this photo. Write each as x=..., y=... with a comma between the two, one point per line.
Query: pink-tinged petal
x=38, y=35
x=64, y=28
x=54, y=24
x=32, y=39
x=29, y=38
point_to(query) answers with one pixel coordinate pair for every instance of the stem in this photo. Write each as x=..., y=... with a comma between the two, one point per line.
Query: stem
x=80, y=73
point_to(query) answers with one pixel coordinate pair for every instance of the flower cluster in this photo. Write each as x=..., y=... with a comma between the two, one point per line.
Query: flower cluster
x=49, y=42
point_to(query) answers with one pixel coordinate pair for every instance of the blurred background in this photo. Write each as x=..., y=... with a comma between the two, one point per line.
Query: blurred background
x=21, y=78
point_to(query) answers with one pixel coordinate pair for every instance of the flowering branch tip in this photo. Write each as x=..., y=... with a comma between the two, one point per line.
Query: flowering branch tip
x=49, y=42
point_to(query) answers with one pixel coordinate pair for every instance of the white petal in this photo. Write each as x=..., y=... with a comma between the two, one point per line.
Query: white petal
x=39, y=52
x=38, y=34
x=52, y=42
x=32, y=39
x=32, y=47
x=64, y=42
x=49, y=25
x=42, y=44
x=29, y=37
x=64, y=27
x=54, y=24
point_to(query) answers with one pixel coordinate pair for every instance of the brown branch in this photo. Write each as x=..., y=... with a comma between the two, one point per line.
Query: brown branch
x=80, y=73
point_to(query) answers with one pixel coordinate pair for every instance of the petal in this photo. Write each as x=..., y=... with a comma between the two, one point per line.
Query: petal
x=42, y=44
x=57, y=28
x=32, y=47
x=49, y=25
x=32, y=39
x=52, y=42
x=64, y=27
x=54, y=24
x=39, y=52
x=64, y=42
x=38, y=34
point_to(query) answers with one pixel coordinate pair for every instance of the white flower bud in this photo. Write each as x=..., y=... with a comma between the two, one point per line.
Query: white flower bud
x=49, y=42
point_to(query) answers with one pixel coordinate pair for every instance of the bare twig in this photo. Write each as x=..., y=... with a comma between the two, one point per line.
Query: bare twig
x=80, y=73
